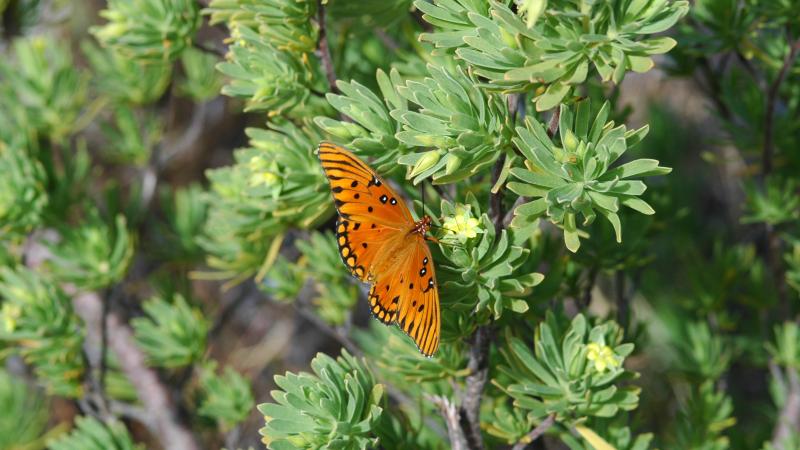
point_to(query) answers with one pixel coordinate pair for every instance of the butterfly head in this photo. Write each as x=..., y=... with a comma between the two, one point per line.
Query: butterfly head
x=421, y=226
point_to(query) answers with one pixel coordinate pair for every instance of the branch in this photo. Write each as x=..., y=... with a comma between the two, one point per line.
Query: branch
x=323, y=326
x=451, y=417
x=535, y=433
x=387, y=40
x=155, y=398
x=591, y=279
x=772, y=246
x=552, y=126
x=152, y=393
x=496, y=199
x=772, y=97
x=417, y=16
x=789, y=417
x=478, y=366
x=623, y=301
x=323, y=50
x=480, y=341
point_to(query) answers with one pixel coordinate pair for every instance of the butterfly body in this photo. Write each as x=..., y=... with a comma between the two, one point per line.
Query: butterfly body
x=381, y=244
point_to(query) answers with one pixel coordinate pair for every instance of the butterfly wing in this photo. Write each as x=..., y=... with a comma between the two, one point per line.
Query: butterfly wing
x=408, y=296
x=375, y=242
x=359, y=192
x=371, y=214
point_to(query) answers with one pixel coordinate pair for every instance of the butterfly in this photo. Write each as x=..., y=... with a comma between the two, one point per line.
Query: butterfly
x=382, y=244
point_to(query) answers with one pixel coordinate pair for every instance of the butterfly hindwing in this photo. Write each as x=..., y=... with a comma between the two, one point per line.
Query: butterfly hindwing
x=418, y=314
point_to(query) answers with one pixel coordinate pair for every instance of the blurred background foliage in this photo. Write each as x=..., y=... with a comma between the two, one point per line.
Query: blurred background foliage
x=169, y=277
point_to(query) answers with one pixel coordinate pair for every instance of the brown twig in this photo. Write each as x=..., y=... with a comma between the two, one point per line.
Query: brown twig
x=591, y=279
x=772, y=244
x=772, y=98
x=213, y=49
x=478, y=366
x=323, y=326
x=552, y=126
x=623, y=300
x=323, y=50
x=451, y=418
x=387, y=40
x=153, y=394
x=789, y=417
x=535, y=433
x=417, y=16
x=480, y=342
x=496, y=199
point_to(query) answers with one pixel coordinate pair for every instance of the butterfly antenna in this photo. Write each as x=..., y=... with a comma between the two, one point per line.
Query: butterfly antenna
x=422, y=194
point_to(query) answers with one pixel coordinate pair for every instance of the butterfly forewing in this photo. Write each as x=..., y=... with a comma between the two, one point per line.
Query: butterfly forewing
x=377, y=243
x=359, y=192
x=360, y=244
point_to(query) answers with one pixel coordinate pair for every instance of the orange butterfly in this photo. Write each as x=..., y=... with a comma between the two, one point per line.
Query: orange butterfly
x=381, y=244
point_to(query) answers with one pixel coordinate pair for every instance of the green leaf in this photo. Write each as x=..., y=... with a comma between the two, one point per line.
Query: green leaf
x=91, y=434
x=173, y=334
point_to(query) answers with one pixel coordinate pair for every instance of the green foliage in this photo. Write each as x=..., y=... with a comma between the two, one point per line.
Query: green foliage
x=141, y=167
x=466, y=127
x=284, y=280
x=188, y=210
x=576, y=373
x=91, y=434
x=22, y=193
x=200, y=84
x=126, y=79
x=703, y=354
x=131, y=137
x=24, y=414
x=269, y=80
x=778, y=204
x=510, y=424
x=372, y=129
x=556, y=53
x=786, y=348
x=152, y=30
x=576, y=178
x=38, y=318
x=609, y=434
x=275, y=183
x=399, y=361
x=336, y=407
x=336, y=295
x=792, y=258
x=483, y=273
x=373, y=12
x=173, y=334
x=93, y=255
x=707, y=414
x=226, y=398
x=42, y=91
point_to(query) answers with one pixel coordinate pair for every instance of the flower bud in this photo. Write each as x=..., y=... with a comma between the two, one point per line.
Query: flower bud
x=452, y=164
x=427, y=161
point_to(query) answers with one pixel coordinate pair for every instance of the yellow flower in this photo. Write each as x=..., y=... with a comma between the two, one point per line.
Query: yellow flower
x=462, y=224
x=9, y=314
x=262, y=172
x=602, y=356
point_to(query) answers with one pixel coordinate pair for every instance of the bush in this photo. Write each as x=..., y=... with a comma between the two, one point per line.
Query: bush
x=615, y=210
